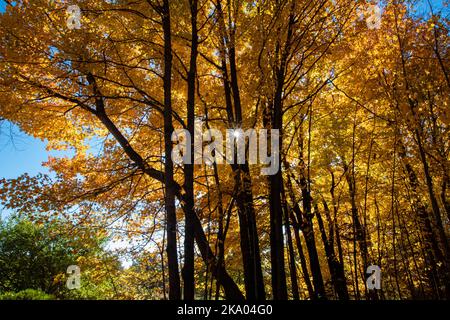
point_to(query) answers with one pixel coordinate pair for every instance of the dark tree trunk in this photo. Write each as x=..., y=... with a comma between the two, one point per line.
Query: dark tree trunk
x=292, y=267
x=359, y=231
x=445, y=183
x=433, y=200
x=253, y=277
x=336, y=267
x=279, y=287
x=304, y=223
x=218, y=271
x=188, y=268
x=303, y=264
x=172, y=255
x=255, y=281
x=433, y=254
x=308, y=233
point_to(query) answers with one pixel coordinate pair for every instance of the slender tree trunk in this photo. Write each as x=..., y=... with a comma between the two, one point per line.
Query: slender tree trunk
x=232, y=291
x=172, y=255
x=305, y=220
x=220, y=244
x=393, y=196
x=433, y=253
x=434, y=203
x=445, y=183
x=282, y=52
x=303, y=263
x=359, y=232
x=292, y=267
x=188, y=269
x=335, y=266
x=253, y=277
x=279, y=287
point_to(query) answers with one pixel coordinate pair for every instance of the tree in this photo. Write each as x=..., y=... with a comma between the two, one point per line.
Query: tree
x=36, y=257
x=361, y=104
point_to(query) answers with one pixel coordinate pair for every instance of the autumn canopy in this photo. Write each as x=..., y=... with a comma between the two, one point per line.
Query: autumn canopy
x=359, y=92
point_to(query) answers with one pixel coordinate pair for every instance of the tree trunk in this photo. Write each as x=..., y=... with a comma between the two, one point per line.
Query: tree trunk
x=292, y=267
x=172, y=255
x=253, y=277
x=303, y=265
x=304, y=223
x=335, y=266
x=188, y=268
x=433, y=254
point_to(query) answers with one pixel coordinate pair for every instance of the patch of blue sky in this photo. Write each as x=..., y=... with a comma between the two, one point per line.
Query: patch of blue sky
x=425, y=8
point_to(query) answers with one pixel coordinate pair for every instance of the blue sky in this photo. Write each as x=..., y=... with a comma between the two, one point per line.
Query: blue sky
x=20, y=153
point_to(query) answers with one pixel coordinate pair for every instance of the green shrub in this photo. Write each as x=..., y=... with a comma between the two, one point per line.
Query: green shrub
x=27, y=294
